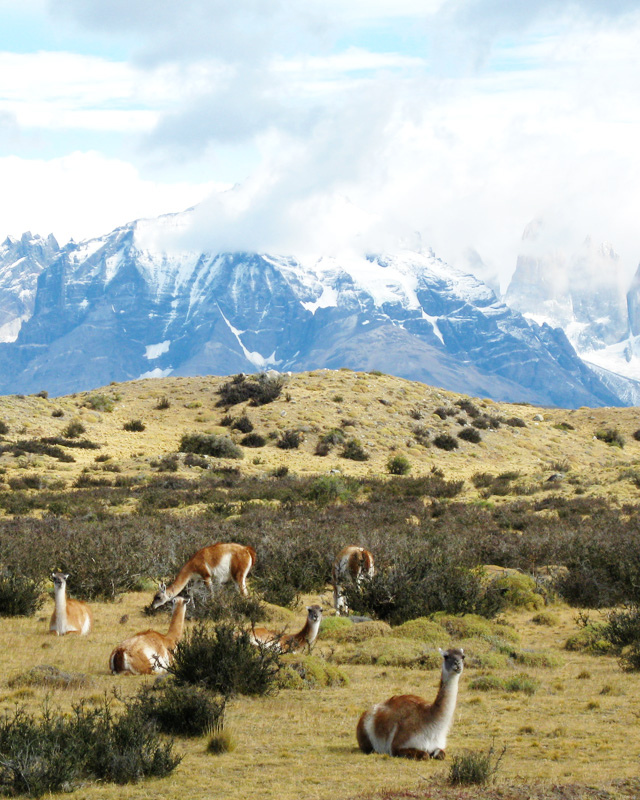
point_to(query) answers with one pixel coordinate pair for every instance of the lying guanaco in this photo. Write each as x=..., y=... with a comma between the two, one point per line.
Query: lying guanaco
x=351, y=564
x=150, y=651
x=215, y=565
x=287, y=643
x=406, y=725
x=69, y=616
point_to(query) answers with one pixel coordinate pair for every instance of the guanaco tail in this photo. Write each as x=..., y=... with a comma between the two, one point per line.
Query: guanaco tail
x=217, y=564
x=287, y=643
x=351, y=564
x=150, y=651
x=69, y=616
x=406, y=725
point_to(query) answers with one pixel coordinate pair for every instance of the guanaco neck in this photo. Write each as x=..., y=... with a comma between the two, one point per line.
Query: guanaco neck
x=176, y=625
x=182, y=579
x=61, y=606
x=444, y=705
x=309, y=632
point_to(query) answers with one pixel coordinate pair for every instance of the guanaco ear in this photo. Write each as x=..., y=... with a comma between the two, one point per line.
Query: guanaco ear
x=187, y=600
x=53, y=576
x=441, y=651
x=162, y=586
x=66, y=577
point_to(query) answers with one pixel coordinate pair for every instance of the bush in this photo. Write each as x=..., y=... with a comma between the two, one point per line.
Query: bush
x=354, y=451
x=289, y=440
x=611, y=436
x=57, y=751
x=4, y=428
x=515, y=422
x=169, y=463
x=181, y=710
x=57, y=412
x=208, y=444
x=226, y=604
x=134, y=426
x=475, y=767
x=162, y=404
x=470, y=435
x=328, y=488
x=398, y=465
x=258, y=390
x=100, y=402
x=74, y=429
x=20, y=596
x=243, y=424
x=223, y=659
x=445, y=441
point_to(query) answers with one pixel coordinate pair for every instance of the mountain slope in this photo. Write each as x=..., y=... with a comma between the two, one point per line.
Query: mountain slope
x=120, y=308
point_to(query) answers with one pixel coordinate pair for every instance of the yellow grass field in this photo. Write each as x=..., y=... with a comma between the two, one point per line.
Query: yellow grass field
x=581, y=727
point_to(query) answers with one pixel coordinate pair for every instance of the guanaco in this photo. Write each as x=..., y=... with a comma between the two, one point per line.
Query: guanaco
x=149, y=651
x=69, y=616
x=351, y=564
x=217, y=564
x=287, y=643
x=406, y=725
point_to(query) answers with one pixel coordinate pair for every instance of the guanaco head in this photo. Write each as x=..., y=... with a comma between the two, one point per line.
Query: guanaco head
x=314, y=613
x=161, y=597
x=59, y=579
x=453, y=661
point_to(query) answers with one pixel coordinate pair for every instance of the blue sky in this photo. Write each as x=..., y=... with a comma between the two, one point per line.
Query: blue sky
x=328, y=125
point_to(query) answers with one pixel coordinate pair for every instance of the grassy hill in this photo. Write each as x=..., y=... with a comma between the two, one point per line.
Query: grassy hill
x=540, y=487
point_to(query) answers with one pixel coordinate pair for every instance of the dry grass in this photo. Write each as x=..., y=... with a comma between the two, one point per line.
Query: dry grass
x=302, y=743
x=572, y=731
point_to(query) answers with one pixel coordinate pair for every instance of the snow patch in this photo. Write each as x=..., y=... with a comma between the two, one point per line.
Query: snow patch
x=156, y=350
x=433, y=321
x=10, y=330
x=156, y=373
x=328, y=299
x=253, y=357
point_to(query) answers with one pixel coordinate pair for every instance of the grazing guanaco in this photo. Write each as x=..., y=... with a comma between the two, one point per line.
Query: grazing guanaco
x=149, y=651
x=352, y=564
x=217, y=564
x=69, y=616
x=406, y=725
x=288, y=643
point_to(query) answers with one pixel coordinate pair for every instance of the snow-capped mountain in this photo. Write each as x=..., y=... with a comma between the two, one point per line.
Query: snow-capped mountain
x=121, y=307
x=587, y=295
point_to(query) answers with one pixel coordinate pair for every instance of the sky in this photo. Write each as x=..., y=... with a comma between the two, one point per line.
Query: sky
x=328, y=125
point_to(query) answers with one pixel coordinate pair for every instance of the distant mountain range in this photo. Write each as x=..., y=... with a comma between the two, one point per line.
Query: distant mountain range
x=115, y=308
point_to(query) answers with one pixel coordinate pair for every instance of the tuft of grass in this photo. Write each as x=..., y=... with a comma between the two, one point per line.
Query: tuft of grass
x=134, y=426
x=610, y=436
x=475, y=767
x=221, y=742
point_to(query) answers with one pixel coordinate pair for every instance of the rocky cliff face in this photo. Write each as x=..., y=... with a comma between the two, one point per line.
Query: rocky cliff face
x=115, y=308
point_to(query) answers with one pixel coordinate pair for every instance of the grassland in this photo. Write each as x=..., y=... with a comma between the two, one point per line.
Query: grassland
x=574, y=737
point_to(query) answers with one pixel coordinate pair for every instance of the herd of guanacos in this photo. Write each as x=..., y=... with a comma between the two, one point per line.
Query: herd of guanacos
x=404, y=725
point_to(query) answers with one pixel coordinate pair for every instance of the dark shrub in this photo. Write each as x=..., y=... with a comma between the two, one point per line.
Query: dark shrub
x=36, y=446
x=635, y=434
x=354, y=450
x=162, y=404
x=259, y=390
x=192, y=460
x=289, y=440
x=399, y=465
x=134, y=426
x=515, y=422
x=243, y=424
x=81, y=444
x=74, y=429
x=466, y=405
x=334, y=436
x=181, y=710
x=482, y=480
x=226, y=421
x=20, y=596
x=470, y=435
x=169, y=463
x=289, y=567
x=322, y=448
x=223, y=659
x=253, y=440
x=445, y=441
x=208, y=444
x=443, y=412
x=57, y=412
x=4, y=428
x=226, y=603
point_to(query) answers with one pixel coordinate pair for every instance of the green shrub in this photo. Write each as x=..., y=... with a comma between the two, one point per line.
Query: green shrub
x=424, y=630
x=611, y=436
x=354, y=450
x=511, y=590
x=134, y=426
x=242, y=424
x=169, y=463
x=223, y=659
x=181, y=710
x=74, y=429
x=309, y=672
x=333, y=437
x=475, y=767
x=445, y=441
x=330, y=488
x=100, y=402
x=528, y=658
x=398, y=465
x=522, y=683
x=20, y=596
x=590, y=639
x=486, y=683
x=208, y=444
x=56, y=751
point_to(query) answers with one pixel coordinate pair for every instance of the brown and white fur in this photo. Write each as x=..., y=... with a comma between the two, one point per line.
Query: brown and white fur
x=149, y=651
x=288, y=643
x=69, y=616
x=352, y=564
x=406, y=725
x=215, y=565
